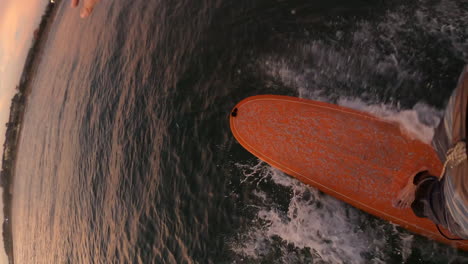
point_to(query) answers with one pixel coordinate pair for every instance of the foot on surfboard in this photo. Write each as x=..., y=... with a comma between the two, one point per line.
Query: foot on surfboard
x=406, y=196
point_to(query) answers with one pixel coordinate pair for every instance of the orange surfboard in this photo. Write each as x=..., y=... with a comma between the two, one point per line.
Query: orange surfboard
x=351, y=155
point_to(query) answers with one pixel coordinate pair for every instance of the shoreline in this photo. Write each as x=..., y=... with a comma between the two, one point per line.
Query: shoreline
x=14, y=125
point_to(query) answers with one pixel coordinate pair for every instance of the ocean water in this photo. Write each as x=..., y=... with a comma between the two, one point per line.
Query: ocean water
x=126, y=154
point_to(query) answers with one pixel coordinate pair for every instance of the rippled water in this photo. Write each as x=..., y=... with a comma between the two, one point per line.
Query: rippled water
x=126, y=153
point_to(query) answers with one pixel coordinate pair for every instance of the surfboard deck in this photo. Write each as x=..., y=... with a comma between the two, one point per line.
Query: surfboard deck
x=353, y=156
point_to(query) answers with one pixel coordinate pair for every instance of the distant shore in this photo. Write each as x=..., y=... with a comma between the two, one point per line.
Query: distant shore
x=13, y=131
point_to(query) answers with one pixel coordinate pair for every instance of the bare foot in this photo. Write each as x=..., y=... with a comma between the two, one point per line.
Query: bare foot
x=406, y=196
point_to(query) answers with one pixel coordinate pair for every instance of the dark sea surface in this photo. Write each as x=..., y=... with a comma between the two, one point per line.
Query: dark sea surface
x=126, y=155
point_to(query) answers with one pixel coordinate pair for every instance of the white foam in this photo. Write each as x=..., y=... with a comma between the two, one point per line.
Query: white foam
x=328, y=227
x=418, y=122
